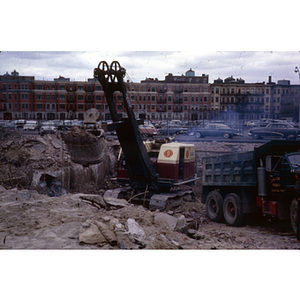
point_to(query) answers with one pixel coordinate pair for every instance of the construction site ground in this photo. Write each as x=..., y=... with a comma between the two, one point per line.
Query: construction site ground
x=32, y=220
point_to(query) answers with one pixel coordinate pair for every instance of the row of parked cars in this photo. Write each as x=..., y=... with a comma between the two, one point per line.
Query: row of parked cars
x=44, y=127
x=277, y=129
x=258, y=130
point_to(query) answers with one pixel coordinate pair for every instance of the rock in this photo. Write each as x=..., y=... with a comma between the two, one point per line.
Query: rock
x=135, y=232
x=107, y=233
x=2, y=188
x=96, y=200
x=181, y=224
x=165, y=221
x=194, y=234
x=176, y=244
x=115, y=202
x=106, y=218
x=115, y=224
x=89, y=233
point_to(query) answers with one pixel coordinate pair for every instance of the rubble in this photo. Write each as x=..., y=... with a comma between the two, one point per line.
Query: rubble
x=44, y=164
x=80, y=216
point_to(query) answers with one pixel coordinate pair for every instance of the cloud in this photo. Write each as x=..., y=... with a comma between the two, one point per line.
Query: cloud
x=253, y=66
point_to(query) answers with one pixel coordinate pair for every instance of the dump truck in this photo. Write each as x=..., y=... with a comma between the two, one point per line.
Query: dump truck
x=259, y=181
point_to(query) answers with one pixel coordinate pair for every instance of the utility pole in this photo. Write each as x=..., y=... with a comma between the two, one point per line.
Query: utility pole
x=297, y=71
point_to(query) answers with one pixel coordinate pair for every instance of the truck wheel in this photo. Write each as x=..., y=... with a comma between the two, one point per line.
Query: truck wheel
x=291, y=137
x=293, y=215
x=226, y=135
x=255, y=136
x=214, y=206
x=198, y=135
x=233, y=209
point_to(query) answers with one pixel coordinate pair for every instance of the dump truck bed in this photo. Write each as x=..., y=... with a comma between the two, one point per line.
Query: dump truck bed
x=232, y=169
x=239, y=169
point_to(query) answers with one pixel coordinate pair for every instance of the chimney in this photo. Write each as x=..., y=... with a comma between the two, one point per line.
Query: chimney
x=270, y=79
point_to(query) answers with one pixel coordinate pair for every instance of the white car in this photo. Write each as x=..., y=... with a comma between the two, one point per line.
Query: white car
x=48, y=129
x=30, y=125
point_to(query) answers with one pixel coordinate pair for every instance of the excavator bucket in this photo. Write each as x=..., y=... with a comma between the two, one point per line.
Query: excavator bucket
x=86, y=145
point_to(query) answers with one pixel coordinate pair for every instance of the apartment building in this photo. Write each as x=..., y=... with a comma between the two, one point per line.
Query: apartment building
x=185, y=97
x=237, y=101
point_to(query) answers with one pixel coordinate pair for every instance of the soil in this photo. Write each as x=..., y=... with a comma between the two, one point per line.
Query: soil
x=29, y=220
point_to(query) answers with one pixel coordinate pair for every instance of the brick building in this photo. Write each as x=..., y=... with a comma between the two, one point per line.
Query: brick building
x=186, y=97
x=177, y=97
x=233, y=99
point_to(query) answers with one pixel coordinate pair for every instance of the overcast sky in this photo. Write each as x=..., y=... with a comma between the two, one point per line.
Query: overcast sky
x=252, y=66
x=206, y=27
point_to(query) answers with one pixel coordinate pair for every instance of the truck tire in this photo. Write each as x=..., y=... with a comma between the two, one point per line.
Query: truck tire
x=214, y=206
x=256, y=136
x=294, y=216
x=233, y=209
x=291, y=137
x=198, y=135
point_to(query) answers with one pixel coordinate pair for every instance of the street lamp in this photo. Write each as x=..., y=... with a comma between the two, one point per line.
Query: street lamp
x=297, y=71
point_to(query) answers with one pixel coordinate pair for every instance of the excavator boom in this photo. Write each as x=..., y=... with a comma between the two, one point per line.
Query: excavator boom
x=141, y=171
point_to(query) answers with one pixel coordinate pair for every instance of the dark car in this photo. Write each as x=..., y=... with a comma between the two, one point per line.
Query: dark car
x=172, y=129
x=148, y=130
x=217, y=130
x=274, y=130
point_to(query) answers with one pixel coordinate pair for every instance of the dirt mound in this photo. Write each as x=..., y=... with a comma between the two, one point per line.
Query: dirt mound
x=24, y=158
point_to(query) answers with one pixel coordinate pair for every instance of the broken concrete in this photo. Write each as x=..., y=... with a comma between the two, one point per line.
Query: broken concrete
x=165, y=221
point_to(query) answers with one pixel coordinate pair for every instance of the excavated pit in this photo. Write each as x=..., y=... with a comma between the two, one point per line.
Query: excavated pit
x=37, y=163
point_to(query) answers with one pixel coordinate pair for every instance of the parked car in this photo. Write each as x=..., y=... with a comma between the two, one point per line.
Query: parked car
x=172, y=129
x=30, y=125
x=217, y=130
x=65, y=125
x=7, y=124
x=148, y=130
x=45, y=129
x=19, y=123
x=274, y=130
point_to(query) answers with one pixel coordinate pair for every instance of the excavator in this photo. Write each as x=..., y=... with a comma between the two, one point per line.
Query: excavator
x=154, y=170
